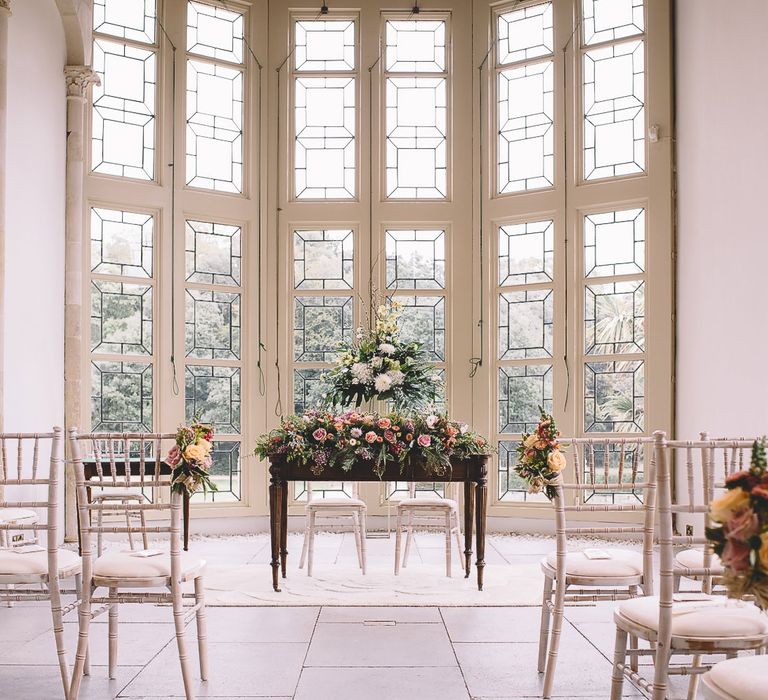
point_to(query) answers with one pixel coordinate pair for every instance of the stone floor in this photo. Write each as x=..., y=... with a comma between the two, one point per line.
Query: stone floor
x=324, y=652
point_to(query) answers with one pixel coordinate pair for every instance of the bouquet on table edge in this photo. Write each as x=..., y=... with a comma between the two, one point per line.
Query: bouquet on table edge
x=378, y=365
x=740, y=537
x=539, y=459
x=190, y=459
x=326, y=440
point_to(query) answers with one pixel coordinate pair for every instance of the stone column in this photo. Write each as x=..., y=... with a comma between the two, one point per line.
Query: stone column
x=5, y=13
x=78, y=81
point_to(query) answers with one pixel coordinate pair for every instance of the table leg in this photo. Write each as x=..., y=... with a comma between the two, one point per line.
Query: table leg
x=275, y=521
x=185, y=513
x=283, y=526
x=469, y=515
x=481, y=508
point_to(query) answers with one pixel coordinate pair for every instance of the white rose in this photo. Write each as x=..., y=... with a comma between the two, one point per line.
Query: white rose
x=382, y=383
x=431, y=421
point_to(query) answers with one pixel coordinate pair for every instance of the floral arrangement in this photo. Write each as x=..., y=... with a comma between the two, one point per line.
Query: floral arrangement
x=325, y=440
x=740, y=536
x=190, y=459
x=539, y=458
x=378, y=365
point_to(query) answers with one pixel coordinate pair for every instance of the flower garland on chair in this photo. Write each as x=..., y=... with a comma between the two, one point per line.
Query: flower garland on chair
x=190, y=459
x=539, y=459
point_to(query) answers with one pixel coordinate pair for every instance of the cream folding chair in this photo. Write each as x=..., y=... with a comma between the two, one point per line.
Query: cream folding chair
x=120, y=570
x=428, y=513
x=683, y=623
x=334, y=508
x=612, y=476
x=745, y=678
x=39, y=571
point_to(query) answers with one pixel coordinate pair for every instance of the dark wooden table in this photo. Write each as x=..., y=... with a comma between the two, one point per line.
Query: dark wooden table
x=473, y=472
x=91, y=471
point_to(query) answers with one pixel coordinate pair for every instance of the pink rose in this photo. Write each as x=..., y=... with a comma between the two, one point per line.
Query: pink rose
x=389, y=436
x=320, y=434
x=385, y=423
x=742, y=525
x=355, y=432
x=370, y=436
x=424, y=440
x=736, y=556
x=174, y=455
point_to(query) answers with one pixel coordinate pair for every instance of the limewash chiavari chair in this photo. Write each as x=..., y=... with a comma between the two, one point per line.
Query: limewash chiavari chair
x=428, y=512
x=683, y=623
x=604, y=469
x=120, y=570
x=744, y=678
x=38, y=572
x=334, y=508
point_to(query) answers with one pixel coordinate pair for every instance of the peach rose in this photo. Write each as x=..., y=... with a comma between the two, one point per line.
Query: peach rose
x=195, y=453
x=556, y=461
x=721, y=509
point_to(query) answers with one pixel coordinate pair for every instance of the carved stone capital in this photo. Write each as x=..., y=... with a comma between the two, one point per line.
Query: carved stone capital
x=5, y=5
x=79, y=79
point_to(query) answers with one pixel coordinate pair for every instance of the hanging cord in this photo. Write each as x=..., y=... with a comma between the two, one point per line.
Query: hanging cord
x=172, y=166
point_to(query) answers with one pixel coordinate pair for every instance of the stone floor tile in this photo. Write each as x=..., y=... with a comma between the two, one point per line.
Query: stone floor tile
x=380, y=614
x=248, y=625
x=492, y=624
x=44, y=683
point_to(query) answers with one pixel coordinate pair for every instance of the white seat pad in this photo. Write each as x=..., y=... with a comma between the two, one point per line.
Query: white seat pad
x=713, y=617
x=745, y=678
x=426, y=501
x=622, y=564
x=11, y=515
x=35, y=563
x=336, y=502
x=124, y=566
x=694, y=559
x=117, y=495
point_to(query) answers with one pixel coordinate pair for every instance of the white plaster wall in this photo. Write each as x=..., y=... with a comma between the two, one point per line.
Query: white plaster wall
x=722, y=146
x=35, y=162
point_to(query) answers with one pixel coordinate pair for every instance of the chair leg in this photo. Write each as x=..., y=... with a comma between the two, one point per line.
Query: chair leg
x=398, y=539
x=408, y=539
x=305, y=544
x=81, y=655
x=634, y=659
x=619, y=657
x=100, y=534
x=311, y=544
x=358, y=544
x=554, y=641
x=448, y=545
x=202, y=628
x=178, y=621
x=363, y=531
x=460, y=548
x=143, y=521
x=546, y=614
x=58, y=632
x=693, y=681
x=113, y=635
x=128, y=522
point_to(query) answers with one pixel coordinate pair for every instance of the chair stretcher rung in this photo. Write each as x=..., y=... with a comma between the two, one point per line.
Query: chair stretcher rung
x=125, y=530
x=629, y=487
x=689, y=539
x=26, y=526
x=606, y=508
x=25, y=482
x=603, y=530
x=23, y=504
x=122, y=507
x=701, y=571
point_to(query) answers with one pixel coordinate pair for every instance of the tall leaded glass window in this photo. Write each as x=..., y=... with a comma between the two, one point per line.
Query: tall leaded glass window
x=325, y=108
x=416, y=108
x=123, y=123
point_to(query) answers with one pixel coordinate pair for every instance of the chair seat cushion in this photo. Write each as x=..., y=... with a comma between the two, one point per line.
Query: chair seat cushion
x=12, y=515
x=13, y=562
x=117, y=495
x=623, y=563
x=336, y=502
x=427, y=502
x=694, y=559
x=123, y=565
x=705, y=618
x=745, y=678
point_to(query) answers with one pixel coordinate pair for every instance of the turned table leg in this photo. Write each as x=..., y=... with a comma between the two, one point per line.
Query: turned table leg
x=283, y=526
x=481, y=507
x=469, y=515
x=275, y=521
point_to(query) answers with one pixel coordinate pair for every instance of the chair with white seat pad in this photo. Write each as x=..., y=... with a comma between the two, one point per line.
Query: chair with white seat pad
x=743, y=678
x=682, y=624
x=333, y=508
x=609, y=475
x=36, y=572
x=120, y=570
x=428, y=512
x=9, y=516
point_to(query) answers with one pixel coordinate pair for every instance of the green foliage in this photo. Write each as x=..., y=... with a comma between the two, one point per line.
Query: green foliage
x=540, y=460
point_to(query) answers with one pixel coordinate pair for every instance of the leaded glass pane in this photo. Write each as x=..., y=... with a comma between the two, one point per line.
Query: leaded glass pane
x=423, y=321
x=325, y=45
x=525, y=324
x=323, y=489
x=525, y=34
x=324, y=114
x=399, y=490
x=611, y=459
x=127, y=19
x=320, y=324
x=415, y=259
x=526, y=113
x=439, y=396
x=614, y=110
x=215, y=31
x=323, y=259
x=212, y=395
x=614, y=318
x=614, y=397
x=526, y=253
x=511, y=486
x=307, y=388
x=522, y=389
x=123, y=138
x=212, y=325
x=214, y=127
x=606, y=20
x=614, y=243
x=213, y=254
x=121, y=243
x=416, y=138
x=415, y=46
x=225, y=473
x=121, y=397
x=121, y=318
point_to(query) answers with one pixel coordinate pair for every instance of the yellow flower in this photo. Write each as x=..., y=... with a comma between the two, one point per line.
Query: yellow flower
x=721, y=509
x=195, y=452
x=530, y=441
x=763, y=554
x=202, y=442
x=556, y=461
